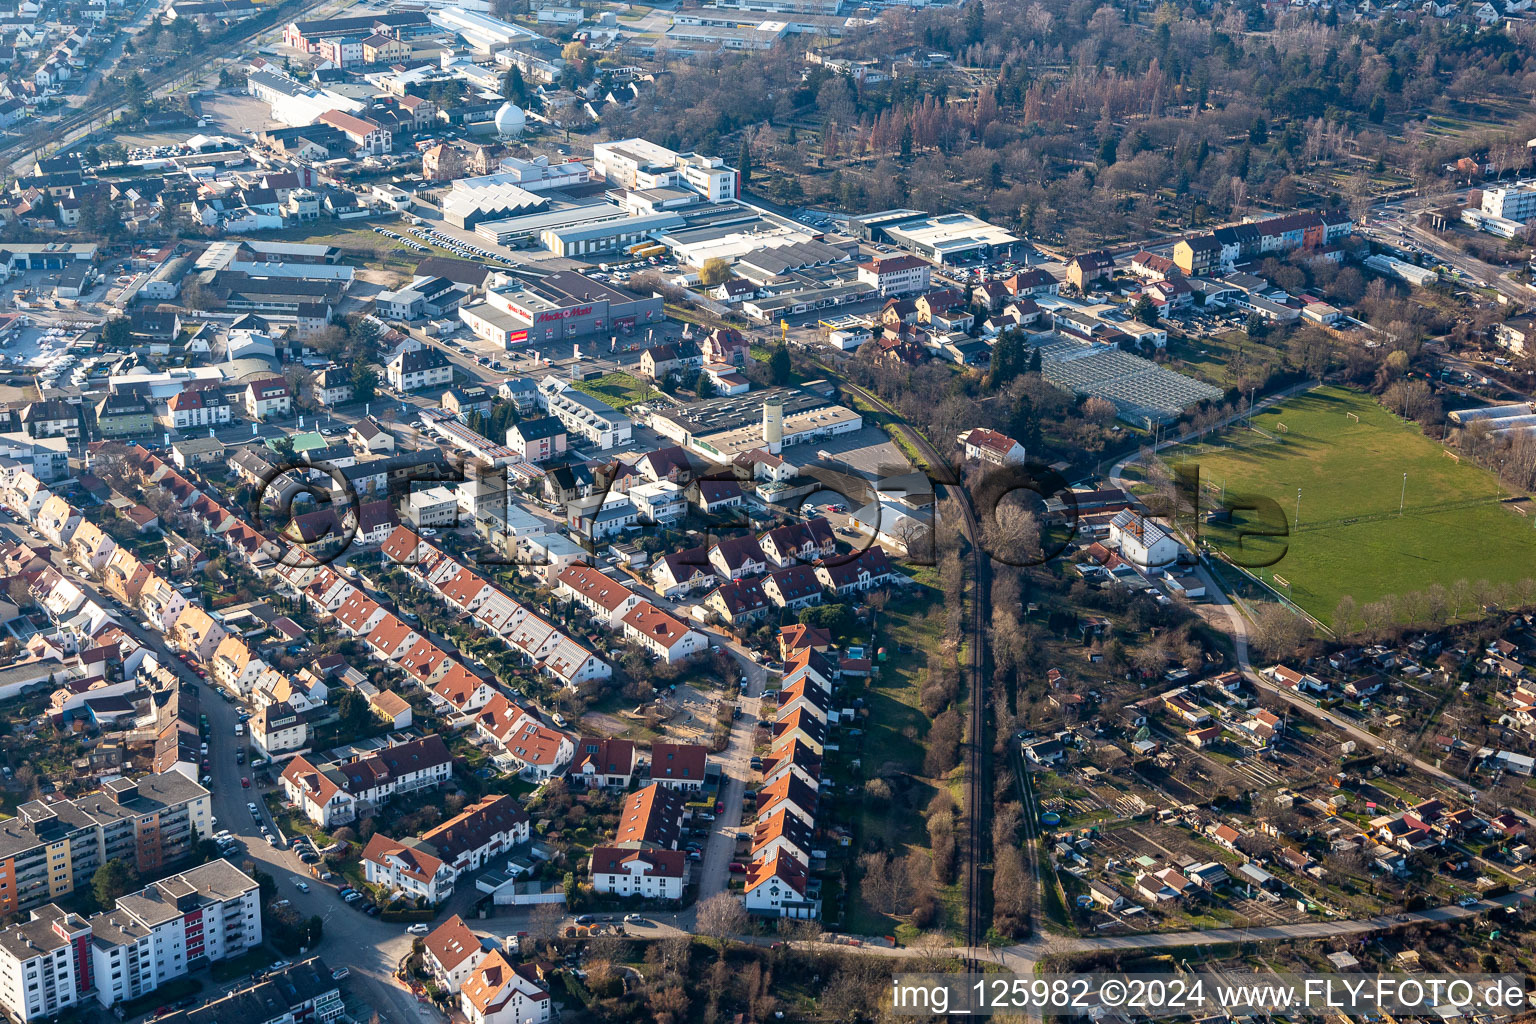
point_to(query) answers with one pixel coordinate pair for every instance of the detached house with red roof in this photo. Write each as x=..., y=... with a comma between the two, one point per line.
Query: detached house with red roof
x=984, y=445
x=606, y=599
x=679, y=765
x=497, y=992
x=1142, y=541
x=268, y=398
x=661, y=633
x=451, y=952
x=609, y=763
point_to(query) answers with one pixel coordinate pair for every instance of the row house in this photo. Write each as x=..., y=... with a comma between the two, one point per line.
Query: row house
x=605, y=599
x=535, y=748
x=428, y=867
x=800, y=543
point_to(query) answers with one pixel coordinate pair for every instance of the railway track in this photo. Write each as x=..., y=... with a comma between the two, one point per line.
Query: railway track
x=978, y=768
x=59, y=133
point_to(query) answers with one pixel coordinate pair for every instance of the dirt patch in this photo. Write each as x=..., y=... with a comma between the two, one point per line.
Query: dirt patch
x=605, y=725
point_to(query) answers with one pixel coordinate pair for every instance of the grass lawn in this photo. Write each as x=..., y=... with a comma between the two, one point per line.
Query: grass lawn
x=893, y=747
x=619, y=390
x=1350, y=475
x=1224, y=360
x=358, y=242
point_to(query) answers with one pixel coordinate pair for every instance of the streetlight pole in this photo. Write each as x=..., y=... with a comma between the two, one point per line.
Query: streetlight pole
x=1298, y=506
x=1404, y=496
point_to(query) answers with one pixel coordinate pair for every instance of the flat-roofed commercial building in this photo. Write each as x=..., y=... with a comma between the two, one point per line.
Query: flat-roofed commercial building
x=607, y=236
x=564, y=305
x=950, y=237
x=636, y=163
x=528, y=229
x=722, y=428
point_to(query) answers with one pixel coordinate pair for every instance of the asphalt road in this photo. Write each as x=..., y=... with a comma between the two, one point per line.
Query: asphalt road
x=736, y=775
x=371, y=948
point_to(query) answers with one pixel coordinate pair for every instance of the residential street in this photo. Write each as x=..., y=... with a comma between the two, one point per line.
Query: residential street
x=736, y=774
x=368, y=946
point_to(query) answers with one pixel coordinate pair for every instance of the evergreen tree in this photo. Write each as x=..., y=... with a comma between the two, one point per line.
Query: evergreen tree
x=779, y=369
x=1143, y=310
x=1008, y=359
x=744, y=164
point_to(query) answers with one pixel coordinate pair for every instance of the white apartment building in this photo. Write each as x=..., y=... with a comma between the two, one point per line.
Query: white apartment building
x=896, y=275
x=661, y=502
x=161, y=932
x=41, y=962
x=590, y=418
x=1516, y=204
x=652, y=874
x=638, y=164
x=178, y=924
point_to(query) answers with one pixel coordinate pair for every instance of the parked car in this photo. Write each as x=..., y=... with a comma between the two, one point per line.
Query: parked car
x=418, y=929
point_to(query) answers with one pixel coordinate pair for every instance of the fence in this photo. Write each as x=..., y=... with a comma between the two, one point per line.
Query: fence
x=1255, y=586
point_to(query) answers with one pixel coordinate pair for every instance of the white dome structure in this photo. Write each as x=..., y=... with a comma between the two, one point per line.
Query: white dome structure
x=510, y=120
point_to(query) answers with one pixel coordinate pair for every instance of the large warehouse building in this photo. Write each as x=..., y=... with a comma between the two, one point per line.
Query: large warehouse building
x=722, y=428
x=562, y=306
x=942, y=239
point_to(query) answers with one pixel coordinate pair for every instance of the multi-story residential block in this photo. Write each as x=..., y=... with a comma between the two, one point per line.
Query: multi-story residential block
x=896, y=275
x=45, y=964
x=49, y=850
x=179, y=924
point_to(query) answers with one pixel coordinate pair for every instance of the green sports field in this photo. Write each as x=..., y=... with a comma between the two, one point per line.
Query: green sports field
x=1351, y=539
